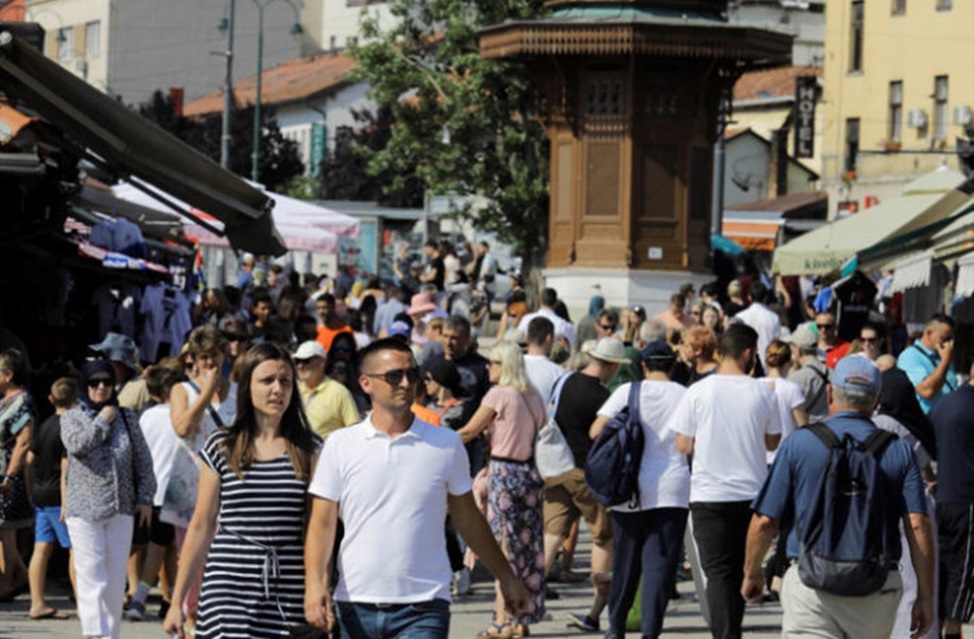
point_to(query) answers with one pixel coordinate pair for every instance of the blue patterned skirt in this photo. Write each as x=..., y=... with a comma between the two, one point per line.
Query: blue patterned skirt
x=515, y=495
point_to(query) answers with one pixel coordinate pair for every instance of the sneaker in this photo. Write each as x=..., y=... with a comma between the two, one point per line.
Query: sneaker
x=583, y=622
x=462, y=584
x=163, y=609
x=136, y=611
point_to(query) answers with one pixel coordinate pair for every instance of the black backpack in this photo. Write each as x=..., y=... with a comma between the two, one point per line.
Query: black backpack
x=842, y=542
x=612, y=467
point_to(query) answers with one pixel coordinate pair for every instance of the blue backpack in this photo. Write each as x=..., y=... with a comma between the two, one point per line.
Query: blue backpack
x=612, y=467
x=842, y=548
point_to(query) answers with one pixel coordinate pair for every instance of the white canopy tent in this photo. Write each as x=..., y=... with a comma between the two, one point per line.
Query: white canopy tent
x=308, y=231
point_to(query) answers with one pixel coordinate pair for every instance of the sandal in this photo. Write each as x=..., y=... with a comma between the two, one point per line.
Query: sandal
x=497, y=631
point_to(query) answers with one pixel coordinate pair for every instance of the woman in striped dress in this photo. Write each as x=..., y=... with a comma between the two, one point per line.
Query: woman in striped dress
x=252, y=496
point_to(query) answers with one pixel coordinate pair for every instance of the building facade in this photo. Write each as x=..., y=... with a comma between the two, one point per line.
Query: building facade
x=332, y=24
x=898, y=91
x=130, y=49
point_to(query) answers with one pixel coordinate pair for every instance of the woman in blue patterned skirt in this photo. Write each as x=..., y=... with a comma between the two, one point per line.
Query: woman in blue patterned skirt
x=511, y=413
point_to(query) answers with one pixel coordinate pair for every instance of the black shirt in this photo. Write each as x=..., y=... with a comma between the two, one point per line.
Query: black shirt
x=953, y=419
x=48, y=452
x=855, y=295
x=437, y=263
x=474, y=380
x=581, y=398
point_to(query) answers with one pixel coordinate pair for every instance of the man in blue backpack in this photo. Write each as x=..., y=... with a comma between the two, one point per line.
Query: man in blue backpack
x=879, y=485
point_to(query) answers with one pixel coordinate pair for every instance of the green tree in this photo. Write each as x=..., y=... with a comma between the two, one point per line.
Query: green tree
x=344, y=173
x=280, y=162
x=462, y=124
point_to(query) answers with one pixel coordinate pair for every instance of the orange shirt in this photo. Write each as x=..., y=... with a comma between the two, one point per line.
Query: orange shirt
x=327, y=335
x=427, y=415
x=837, y=352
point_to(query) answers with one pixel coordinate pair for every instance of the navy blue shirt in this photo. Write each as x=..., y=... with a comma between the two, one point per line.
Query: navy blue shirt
x=953, y=419
x=790, y=488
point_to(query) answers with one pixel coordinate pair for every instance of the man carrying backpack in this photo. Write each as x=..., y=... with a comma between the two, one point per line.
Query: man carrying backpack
x=857, y=486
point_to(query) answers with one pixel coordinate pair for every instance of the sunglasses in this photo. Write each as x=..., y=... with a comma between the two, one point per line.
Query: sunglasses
x=395, y=376
x=100, y=381
x=826, y=327
x=868, y=340
x=609, y=327
x=235, y=338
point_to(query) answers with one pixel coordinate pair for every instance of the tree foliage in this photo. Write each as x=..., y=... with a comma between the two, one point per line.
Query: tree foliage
x=280, y=161
x=463, y=124
x=345, y=173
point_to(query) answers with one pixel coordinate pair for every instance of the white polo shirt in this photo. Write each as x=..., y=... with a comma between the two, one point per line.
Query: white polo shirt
x=392, y=496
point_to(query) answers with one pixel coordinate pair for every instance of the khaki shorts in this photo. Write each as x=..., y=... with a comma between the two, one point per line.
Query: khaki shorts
x=566, y=498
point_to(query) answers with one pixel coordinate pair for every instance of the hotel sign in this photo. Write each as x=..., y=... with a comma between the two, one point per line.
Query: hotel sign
x=806, y=92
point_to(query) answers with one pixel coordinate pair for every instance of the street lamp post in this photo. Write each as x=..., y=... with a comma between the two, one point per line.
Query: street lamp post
x=295, y=31
x=227, y=90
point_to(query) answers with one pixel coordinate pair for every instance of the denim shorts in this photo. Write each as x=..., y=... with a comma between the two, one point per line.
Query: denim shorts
x=48, y=527
x=422, y=620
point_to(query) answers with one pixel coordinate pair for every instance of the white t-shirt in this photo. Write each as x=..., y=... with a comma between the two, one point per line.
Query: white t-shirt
x=392, y=497
x=542, y=373
x=765, y=322
x=156, y=425
x=562, y=327
x=789, y=396
x=664, y=477
x=728, y=416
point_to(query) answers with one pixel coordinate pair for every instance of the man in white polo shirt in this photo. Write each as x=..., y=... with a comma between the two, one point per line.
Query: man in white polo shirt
x=391, y=479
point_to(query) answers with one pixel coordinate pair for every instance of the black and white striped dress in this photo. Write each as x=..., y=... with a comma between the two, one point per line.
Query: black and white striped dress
x=253, y=583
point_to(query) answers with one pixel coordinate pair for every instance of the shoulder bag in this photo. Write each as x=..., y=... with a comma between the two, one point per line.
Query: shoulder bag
x=552, y=455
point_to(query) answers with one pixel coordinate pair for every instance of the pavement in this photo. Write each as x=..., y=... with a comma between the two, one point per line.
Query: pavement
x=471, y=613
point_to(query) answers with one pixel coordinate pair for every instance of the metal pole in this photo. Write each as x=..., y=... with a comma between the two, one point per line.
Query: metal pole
x=227, y=91
x=255, y=169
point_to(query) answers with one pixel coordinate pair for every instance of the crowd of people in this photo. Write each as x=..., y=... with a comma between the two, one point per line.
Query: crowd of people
x=255, y=475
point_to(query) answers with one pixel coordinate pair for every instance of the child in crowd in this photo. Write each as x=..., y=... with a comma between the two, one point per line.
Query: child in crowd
x=45, y=472
x=156, y=424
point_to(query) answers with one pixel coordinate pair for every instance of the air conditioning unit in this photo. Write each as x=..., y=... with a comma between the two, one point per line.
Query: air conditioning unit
x=916, y=118
x=963, y=115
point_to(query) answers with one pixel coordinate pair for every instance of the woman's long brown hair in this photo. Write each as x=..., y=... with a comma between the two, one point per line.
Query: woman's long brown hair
x=239, y=442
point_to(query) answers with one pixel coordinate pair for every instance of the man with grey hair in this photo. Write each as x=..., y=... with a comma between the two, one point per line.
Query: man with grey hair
x=791, y=491
x=812, y=374
x=652, y=330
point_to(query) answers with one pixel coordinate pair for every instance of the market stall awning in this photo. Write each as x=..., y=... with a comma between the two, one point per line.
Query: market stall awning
x=153, y=222
x=127, y=144
x=922, y=202
x=296, y=232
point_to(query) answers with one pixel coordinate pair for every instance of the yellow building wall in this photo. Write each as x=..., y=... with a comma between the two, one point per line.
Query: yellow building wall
x=914, y=48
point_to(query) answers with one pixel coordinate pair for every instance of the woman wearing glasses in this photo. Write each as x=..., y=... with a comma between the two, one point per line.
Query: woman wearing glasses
x=109, y=479
x=251, y=504
x=199, y=406
x=511, y=412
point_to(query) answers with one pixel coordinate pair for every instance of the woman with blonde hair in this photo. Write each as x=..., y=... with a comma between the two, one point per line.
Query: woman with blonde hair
x=511, y=412
x=199, y=406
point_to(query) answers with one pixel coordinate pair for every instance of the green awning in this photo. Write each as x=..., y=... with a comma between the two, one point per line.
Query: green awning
x=926, y=201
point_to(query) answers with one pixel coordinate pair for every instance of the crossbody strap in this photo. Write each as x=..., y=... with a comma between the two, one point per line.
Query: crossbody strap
x=209, y=407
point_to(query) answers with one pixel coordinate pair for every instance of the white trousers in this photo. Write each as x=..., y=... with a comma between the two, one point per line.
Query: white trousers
x=101, y=553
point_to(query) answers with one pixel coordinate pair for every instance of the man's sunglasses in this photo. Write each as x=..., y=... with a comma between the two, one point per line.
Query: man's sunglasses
x=100, y=381
x=394, y=377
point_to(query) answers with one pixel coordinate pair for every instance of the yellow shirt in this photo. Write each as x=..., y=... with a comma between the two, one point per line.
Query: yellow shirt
x=329, y=406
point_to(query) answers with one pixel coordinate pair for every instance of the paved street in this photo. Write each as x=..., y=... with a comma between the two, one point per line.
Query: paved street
x=470, y=614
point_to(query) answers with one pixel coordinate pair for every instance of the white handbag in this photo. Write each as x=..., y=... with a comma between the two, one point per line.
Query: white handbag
x=552, y=455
